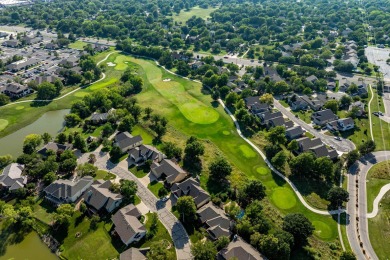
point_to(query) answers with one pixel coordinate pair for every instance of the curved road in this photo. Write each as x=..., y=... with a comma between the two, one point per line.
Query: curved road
x=67, y=94
x=343, y=146
x=357, y=225
x=179, y=235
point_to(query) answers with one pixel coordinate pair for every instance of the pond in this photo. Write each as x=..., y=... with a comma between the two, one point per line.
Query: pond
x=29, y=249
x=51, y=122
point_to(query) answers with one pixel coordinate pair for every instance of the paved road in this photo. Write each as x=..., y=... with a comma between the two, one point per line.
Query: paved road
x=342, y=146
x=378, y=57
x=175, y=228
x=357, y=227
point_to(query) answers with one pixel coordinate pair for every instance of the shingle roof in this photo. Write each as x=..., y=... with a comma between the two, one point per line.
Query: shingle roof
x=99, y=195
x=125, y=139
x=324, y=115
x=126, y=222
x=294, y=131
x=12, y=178
x=306, y=143
x=240, y=250
x=63, y=189
x=132, y=254
x=191, y=187
x=54, y=147
x=169, y=168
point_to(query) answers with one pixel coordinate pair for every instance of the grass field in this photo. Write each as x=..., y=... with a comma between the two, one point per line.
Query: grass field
x=139, y=172
x=381, y=129
x=78, y=45
x=304, y=115
x=197, y=11
x=379, y=229
x=104, y=175
x=377, y=177
x=248, y=166
x=154, y=187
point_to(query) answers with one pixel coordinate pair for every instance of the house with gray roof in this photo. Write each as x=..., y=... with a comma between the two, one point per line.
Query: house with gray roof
x=305, y=143
x=215, y=221
x=297, y=103
x=323, y=117
x=255, y=106
x=70, y=62
x=46, y=78
x=99, y=118
x=12, y=177
x=99, y=196
x=168, y=171
x=191, y=187
x=313, y=102
x=66, y=191
x=29, y=40
x=343, y=124
x=127, y=224
x=294, y=132
x=360, y=106
x=16, y=90
x=145, y=152
x=125, y=141
x=11, y=43
x=55, y=147
x=239, y=249
x=267, y=116
x=312, y=79
x=22, y=64
x=133, y=254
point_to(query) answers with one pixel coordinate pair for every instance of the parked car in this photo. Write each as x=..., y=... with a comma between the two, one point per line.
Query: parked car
x=375, y=114
x=165, y=199
x=337, y=138
x=380, y=113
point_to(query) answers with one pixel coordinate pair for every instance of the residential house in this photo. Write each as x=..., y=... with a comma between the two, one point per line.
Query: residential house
x=11, y=43
x=12, y=177
x=168, y=171
x=191, y=187
x=22, y=64
x=143, y=153
x=305, y=143
x=312, y=79
x=16, y=90
x=29, y=40
x=100, y=47
x=66, y=191
x=70, y=62
x=125, y=141
x=322, y=151
x=127, y=224
x=297, y=103
x=100, y=118
x=294, y=132
x=346, y=32
x=214, y=221
x=133, y=253
x=55, y=147
x=266, y=116
x=51, y=79
x=52, y=46
x=196, y=65
x=255, y=106
x=99, y=196
x=239, y=249
x=342, y=125
x=323, y=117
x=315, y=103
x=280, y=121
x=359, y=105
x=331, y=85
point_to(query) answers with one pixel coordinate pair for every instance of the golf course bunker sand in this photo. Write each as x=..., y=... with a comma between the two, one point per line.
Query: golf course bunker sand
x=111, y=64
x=3, y=124
x=166, y=80
x=284, y=198
x=322, y=230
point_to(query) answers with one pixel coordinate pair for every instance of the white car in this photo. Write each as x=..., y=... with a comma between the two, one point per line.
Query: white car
x=165, y=199
x=337, y=138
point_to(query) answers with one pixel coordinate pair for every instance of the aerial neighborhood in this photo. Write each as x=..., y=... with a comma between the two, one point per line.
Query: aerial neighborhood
x=204, y=129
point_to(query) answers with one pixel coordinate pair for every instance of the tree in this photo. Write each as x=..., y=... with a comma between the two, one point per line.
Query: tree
x=203, y=250
x=280, y=87
x=94, y=222
x=87, y=169
x=153, y=218
x=72, y=120
x=49, y=178
x=347, y=255
x=158, y=250
x=267, y=99
x=279, y=159
x=337, y=196
x=277, y=135
x=352, y=156
x=46, y=137
x=63, y=214
x=231, y=99
x=148, y=111
x=345, y=101
x=323, y=167
x=273, y=248
x=5, y=160
x=222, y=242
x=367, y=147
x=31, y=142
x=187, y=209
x=171, y=150
x=46, y=91
x=302, y=164
x=128, y=189
x=194, y=148
x=79, y=143
x=107, y=130
x=251, y=190
x=299, y=226
x=162, y=192
x=127, y=124
x=332, y=105
x=220, y=169
x=183, y=69
x=293, y=145
x=68, y=165
x=4, y=99
x=88, y=75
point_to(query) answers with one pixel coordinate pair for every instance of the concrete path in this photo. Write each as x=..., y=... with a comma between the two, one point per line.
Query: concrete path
x=369, y=111
x=377, y=200
x=67, y=94
x=179, y=235
x=342, y=146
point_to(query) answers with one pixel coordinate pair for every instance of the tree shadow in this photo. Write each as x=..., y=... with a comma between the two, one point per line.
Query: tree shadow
x=307, y=186
x=39, y=103
x=79, y=220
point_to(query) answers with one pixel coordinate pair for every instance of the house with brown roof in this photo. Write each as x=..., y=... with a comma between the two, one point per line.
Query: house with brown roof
x=127, y=224
x=99, y=196
x=191, y=187
x=12, y=177
x=239, y=249
x=168, y=171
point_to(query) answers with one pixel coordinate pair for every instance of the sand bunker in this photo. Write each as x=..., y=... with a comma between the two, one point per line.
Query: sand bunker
x=110, y=64
x=166, y=80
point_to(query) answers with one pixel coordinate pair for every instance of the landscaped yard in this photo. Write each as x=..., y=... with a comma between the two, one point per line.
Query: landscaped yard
x=100, y=174
x=377, y=177
x=139, y=171
x=379, y=229
x=197, y=11
x=154, y=187
x=303, y=115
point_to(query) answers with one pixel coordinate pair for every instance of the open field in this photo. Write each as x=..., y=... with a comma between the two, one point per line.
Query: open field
x=381, y=129
x=78, y=45
x=378, y=176
x=379, y=228
x=197, y=11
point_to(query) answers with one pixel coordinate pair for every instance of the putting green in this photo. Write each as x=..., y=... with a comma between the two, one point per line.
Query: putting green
x=263, y=170
x=226, y=132
x=175, y=92
x=284, y=198
x=102, y=84
x=80, y=94
x=121, y=62
x=322, y=230
x=19, y=107
x=247, y=151
x=3, y=124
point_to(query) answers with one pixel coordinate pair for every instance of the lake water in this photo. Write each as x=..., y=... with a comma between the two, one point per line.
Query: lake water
x=31, y=248
x=51, y=122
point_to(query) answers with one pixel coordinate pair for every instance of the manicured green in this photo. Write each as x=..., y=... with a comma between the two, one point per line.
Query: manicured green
x=247, y=151
x=283, y=198
x=322, y=230
x=3, y=123
x=379, y=229
x=78, y=45
x=197, y=11
x=377, y=177
x=263, y=170
x=154, y=187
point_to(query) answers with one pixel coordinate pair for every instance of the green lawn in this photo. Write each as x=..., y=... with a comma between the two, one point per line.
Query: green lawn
x=304, y=115
x=197, y=11
x=154, y=187
x=379, y=229
x=78, y=45
x=377, y=177
x=161, y=235
x=247, y=163
x=100, y=174
x=283, y=103
x=381, y=129
x=43, y=211
x=146, y=136
x=139, y=171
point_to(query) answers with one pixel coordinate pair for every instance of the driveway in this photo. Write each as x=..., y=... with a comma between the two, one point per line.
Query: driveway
x=343, y=146
x=172, y=224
